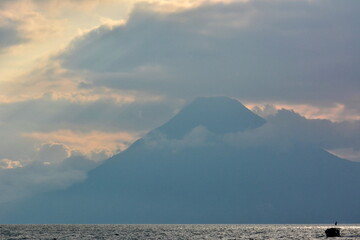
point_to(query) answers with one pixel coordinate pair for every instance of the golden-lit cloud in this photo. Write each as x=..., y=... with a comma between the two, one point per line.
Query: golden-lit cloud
x=336, y=112
x=31, y=30
x=9, y=164
x=29, y=22
x=50, y=80
x=180, y=5
x=87, y=143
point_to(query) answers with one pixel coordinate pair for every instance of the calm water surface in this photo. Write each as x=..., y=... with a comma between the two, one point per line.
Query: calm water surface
x=173, y=232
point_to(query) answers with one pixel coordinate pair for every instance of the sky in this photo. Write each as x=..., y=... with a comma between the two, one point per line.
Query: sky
x=83, y=79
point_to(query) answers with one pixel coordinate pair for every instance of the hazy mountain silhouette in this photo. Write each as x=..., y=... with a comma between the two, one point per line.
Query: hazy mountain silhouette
x=171, y=177
x=218, y=114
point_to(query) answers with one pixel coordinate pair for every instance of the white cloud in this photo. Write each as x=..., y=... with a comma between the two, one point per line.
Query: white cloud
x=9, y=164
x=197, y=137
x=264, y=111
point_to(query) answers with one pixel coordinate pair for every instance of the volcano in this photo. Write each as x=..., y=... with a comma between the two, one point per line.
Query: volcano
x=185, y=172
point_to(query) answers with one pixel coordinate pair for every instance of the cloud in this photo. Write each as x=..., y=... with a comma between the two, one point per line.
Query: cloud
x=264, y=111
x=286, y=51
x=50, y=143
x=21, y=22
x=9, y=33
x=27, y=169
x=95, y=145
x=287, y=128
x=335, y=112
x=298, y=53
x=197, y=137
x=347, y=153
x=48, y=114
x=36, y=177
x=9, y=164
x=53, y=153
x=29, y=166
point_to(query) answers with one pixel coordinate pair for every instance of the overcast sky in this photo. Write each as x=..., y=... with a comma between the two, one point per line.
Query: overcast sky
x=82, y=79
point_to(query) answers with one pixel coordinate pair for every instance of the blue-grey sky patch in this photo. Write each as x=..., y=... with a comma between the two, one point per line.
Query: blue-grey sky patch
x=9, y=34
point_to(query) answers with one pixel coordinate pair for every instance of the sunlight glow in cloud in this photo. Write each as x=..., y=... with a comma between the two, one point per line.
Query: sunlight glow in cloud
x=9, y=164
x=87, y=143
x=338, y=112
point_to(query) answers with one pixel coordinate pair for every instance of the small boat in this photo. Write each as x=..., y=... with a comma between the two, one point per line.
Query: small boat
x=332, y=232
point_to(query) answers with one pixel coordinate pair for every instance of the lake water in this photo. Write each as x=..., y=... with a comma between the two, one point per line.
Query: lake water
x=173, y=231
